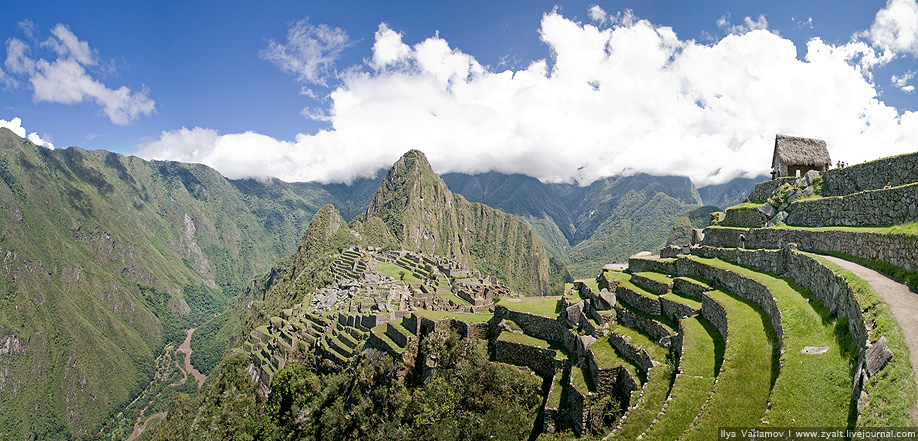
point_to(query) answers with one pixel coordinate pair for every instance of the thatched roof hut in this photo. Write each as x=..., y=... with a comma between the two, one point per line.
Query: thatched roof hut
x=793, y=155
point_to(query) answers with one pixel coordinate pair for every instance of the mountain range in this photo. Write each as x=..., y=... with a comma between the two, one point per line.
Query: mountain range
x=108, y=258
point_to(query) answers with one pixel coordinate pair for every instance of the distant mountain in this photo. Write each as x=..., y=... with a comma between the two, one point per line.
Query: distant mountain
x=684, y=226
x=729, y=193
x=590, y=226
x=108, y=258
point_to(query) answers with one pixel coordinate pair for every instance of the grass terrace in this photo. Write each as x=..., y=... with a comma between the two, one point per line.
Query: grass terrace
x=462, y=316
x=740, y=396
x=592, y=284
x=557, y=387
x=685, y=300
x=528, y=340
x=582, y=380
x=825, y=378
x=607, y=357
x=396, y=272
x=639, y=418
x=656, y=277
x=545, y=306
x=655, y=351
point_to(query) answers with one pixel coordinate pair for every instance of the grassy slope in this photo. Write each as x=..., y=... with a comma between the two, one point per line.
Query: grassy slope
x=741, y=393
x=110, y=257
x=810, y=389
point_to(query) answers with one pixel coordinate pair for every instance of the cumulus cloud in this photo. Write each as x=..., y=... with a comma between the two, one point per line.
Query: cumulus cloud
x=310, y=51
x=627, y=97
x=16, y=126
x=901, y=81
x=66, y=80
x=747, y=25
x=895, y=28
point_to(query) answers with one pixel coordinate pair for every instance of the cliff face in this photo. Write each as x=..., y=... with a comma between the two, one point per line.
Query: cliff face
x=424, y=215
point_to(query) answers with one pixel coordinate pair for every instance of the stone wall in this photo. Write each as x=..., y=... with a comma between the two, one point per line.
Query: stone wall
x=396, y=335
x=652, y=264
x=898, y=170
x=892, y=206
x=689, y=287
x=715, y=313
x=541, y=361
x=648, y=326
x=636, y=354
x=743, y=217
x=637, y=301
x=651, y=285
x=744, y=287
x=540, y=327
x=675, y=310
x=763, y=190
x=897, y=249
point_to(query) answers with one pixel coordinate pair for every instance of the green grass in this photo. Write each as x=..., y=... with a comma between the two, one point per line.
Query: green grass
x=910, y=229
x=740, y=396
x=641, y=416
x=528, y=340
x=557, y=386
x=607, y=357
x=656, y=277
x=685, y=300
x=544, y=306
x=592, y=284
x=581, y=379
x=686, y=399
x=826, y=378
x=462, y=316
x=380, y=331
x=457, y=300
x=396, y=272
x=624, y=280
x=702, y=353
x=892, y=391
x=655, y=351
x=743, y=206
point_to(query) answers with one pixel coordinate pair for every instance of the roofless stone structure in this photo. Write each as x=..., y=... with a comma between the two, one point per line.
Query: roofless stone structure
x=795, y=156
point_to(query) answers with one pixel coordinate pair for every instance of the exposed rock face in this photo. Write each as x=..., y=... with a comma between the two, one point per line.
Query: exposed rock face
x=670, y=251
x=425, y=216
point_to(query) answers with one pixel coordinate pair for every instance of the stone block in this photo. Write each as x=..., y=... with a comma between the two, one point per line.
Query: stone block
x=877, y=356
x=670, y=251
x=767, y=210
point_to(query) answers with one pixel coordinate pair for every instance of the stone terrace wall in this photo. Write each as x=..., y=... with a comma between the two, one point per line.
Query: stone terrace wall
x=892, y=206
x=897, y=249
x=832, y=290
x=652, y=264
x=543, y=328
x=763, y=190
x=634, y=353
x=689, y=288
x=899, y=170
x=541, y=361
x=632, y=298
x=715, y=313
x=744, y=287
x=648, y=326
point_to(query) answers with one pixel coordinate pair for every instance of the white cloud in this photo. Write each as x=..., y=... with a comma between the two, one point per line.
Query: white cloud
x=801, y=23
x=747, y=25
x=65, y=79
x=597, y=14
x=16, y=126
x=310, y=51
x=627, y=98
x=901, y=81
x=895, y=28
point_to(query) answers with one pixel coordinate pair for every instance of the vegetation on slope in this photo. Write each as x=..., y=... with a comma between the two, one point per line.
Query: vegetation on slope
x=467, y=398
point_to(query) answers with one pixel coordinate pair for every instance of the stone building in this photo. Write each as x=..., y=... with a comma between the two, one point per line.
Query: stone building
x=795, y=156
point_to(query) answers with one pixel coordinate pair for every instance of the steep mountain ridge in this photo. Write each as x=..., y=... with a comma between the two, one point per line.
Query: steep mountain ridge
x=106, y=259
x=587, y=227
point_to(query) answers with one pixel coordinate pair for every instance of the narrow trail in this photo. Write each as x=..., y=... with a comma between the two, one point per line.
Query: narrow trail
x=902, y=302
x=186, y=348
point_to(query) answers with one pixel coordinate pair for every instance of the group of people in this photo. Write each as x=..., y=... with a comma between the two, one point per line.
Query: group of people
x=840, y=164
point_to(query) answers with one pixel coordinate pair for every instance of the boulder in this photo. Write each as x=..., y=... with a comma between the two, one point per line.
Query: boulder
x=781, y=217
x=573, y=314
x=767, y=210
x=811, y=176
x=698, y=235
x=877, y=356
x=809, y=191
x=670, y=251
x=606, y=300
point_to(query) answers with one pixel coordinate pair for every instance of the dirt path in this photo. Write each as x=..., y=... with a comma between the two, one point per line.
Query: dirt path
x=138, y=429
x=186, y=348
x=902, y=302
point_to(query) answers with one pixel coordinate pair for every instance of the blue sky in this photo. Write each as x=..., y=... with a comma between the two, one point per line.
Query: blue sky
x=306, y=90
